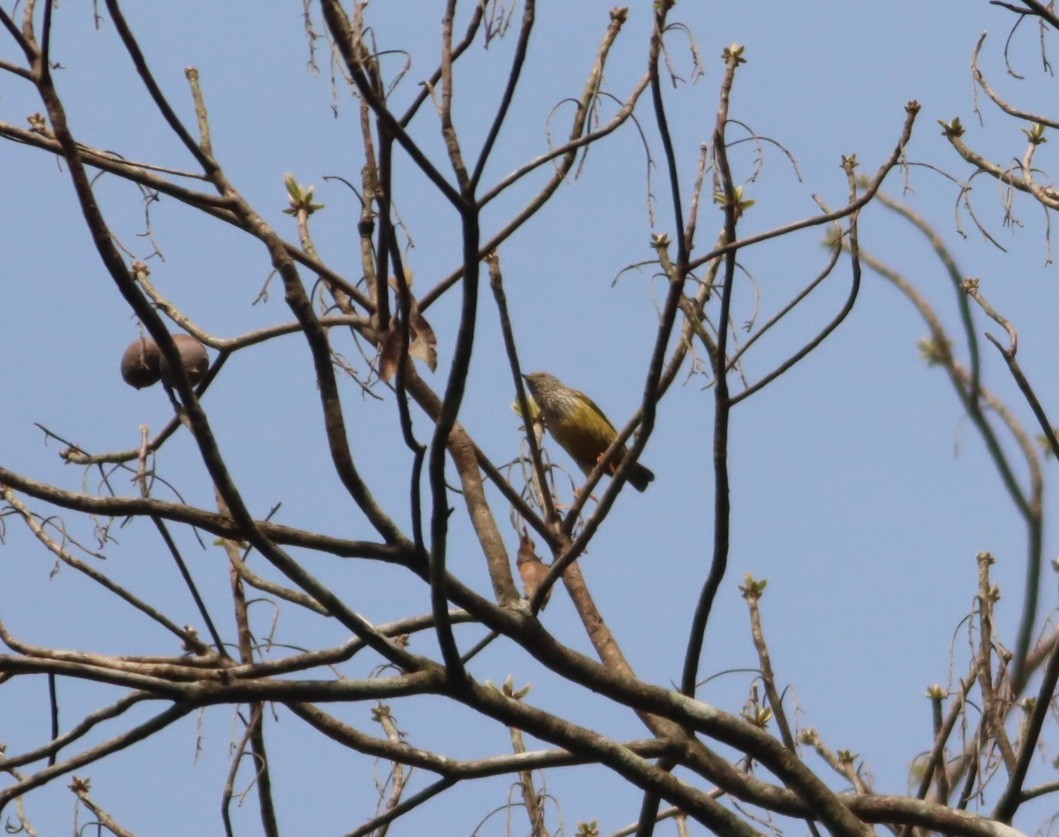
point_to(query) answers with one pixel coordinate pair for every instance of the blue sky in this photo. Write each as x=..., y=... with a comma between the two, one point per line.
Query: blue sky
x=859, y=489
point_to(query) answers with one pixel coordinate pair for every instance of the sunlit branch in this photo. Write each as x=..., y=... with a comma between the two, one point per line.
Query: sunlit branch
x=911, y=111
x=94, y=754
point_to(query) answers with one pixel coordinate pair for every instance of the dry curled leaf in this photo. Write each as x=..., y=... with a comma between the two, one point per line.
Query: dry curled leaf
x=422, y=344
x=531, y=568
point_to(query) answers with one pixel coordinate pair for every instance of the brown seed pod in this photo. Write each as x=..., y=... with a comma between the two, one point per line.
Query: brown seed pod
x=139, y=364
x=193, y=354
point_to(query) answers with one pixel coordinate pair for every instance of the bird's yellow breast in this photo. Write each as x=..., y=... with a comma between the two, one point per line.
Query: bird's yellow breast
x=584, y=433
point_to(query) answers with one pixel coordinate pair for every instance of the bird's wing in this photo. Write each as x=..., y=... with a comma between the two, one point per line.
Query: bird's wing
x=599, y=412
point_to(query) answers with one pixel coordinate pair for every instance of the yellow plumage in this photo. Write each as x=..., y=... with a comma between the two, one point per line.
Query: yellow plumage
x=579, y=426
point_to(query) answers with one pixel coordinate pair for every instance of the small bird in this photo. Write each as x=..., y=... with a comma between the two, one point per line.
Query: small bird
x=579, y=426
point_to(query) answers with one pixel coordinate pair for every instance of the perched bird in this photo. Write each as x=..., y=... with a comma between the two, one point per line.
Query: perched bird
x=580, y=427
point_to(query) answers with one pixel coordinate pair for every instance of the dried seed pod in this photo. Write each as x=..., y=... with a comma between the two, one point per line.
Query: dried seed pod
x=140, y=363
x=193, y=354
